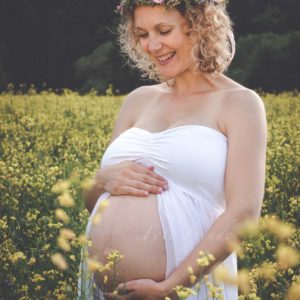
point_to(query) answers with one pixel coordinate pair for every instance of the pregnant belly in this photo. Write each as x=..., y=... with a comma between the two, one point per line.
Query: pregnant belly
x=132, y=226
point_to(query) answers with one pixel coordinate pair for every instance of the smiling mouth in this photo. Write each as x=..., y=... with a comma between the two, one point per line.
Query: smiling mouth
x=166, y=58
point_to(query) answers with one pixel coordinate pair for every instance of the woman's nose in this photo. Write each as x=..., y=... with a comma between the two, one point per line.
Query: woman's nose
x=154, y=44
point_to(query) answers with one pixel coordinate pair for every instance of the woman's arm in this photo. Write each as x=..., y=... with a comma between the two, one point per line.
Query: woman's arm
x=246, y=128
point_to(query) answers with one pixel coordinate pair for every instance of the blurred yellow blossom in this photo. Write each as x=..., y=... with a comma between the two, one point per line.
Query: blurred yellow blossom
x=72, y=257
x=267, y=270
x=287, y=256
x=62, y=215
x=193, y=279
x=93, y=265
x=63, y=243
x=96, y=218
x=87, y=184
x=59, y=261
x=32, y=261
x=103, y=205
x=67, y=233
x=105, y=280
x=248, y=228
x=66, y=200
x=60, y=186
x=294, y=292
x=243, y=280
x=222, y=274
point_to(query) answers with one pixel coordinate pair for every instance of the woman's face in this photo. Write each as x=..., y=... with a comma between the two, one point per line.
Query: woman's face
x=162, y=34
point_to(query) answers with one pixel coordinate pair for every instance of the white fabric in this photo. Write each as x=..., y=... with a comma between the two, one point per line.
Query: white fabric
x=193, y=159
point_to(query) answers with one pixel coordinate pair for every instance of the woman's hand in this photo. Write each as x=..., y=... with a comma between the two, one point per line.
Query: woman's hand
x=131, y=178
x=141, y=289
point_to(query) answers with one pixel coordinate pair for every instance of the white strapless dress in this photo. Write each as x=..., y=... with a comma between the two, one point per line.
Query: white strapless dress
x=193, y=160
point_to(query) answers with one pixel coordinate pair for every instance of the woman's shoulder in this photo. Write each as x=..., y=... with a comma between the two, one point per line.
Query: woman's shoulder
x=235, y=91
x=147, y=89
x=143, y=94
x=239, y=102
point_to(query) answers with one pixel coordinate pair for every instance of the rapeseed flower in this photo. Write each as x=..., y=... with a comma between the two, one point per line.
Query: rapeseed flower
x=59, y=261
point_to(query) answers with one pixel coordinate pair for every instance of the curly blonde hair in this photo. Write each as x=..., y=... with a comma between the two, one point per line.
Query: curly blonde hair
x=213, y=50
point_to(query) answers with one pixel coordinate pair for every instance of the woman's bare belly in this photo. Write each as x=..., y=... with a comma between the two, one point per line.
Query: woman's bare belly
x=132, y=226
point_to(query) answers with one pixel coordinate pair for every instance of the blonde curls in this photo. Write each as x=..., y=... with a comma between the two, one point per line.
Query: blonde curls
x=213, y=48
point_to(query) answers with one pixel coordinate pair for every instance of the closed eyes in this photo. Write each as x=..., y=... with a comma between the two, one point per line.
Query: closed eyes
x=161, y=32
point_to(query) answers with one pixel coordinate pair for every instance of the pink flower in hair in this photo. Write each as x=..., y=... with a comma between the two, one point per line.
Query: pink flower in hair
x=158, y=1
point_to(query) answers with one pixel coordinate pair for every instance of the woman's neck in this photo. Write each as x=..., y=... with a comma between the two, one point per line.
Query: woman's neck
x=191, y=84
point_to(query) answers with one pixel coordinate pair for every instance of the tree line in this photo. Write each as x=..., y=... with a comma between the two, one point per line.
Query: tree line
x=72, y=44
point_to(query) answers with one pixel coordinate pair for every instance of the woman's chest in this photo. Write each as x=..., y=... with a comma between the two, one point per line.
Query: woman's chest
x=160, y=114
x=190, y=155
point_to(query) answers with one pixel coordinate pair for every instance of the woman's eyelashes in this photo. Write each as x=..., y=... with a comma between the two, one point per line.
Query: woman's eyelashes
x=161, y=32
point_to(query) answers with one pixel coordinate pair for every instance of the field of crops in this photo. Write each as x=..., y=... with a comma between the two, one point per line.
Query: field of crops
x=46, y=137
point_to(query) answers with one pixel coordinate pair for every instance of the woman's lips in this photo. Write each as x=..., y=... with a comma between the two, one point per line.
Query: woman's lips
x=167, y=60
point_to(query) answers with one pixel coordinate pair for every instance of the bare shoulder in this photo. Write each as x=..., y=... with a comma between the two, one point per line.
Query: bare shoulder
x=245, y=114
x=146, y=89
x=131, y=108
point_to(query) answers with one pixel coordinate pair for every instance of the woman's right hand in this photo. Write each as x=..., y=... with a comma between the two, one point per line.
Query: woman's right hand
x=131, y=178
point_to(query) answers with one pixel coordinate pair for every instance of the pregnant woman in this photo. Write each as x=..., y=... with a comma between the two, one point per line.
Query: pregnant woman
x=186, y=161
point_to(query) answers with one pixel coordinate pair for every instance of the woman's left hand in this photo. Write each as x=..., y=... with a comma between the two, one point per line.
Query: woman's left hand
x=146, y=289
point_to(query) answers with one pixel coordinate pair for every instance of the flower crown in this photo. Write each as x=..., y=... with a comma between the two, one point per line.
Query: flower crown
x=127, y=6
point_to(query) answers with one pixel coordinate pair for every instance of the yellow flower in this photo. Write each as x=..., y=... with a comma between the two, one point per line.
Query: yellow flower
x=285, y=231
x=114, y=255
x=72, y=257
x=60, y=186
x=294, y=292
x=248, y=228
x=62, y=215
x=286, y=257
x=221, y=274
x=17, y=256
x=96, y=218
x=37, y=288
x=234, y=245
x=59, y=261
x=3, y=224
x=82, y=240
x=103, y=205
x=67, y=233
x=37, y=278
x=66, y=200
x=190, y=270
x=244, y=281
x=105, y=279
x=203, y=261
x=63, y=243
x=184, y=292
x=87, y=184
x=32, y=261
x=267, y=270
x=193, y=279
x=93, y=265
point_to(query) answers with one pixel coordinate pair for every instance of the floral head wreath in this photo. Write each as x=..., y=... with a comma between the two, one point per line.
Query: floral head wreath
x=127, y=6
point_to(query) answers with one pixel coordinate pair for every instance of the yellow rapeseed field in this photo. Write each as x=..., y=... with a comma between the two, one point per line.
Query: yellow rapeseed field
x=50, y=145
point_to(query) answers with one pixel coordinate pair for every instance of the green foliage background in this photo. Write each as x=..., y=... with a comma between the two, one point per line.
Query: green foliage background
x=72, y=44
x=46, y=137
